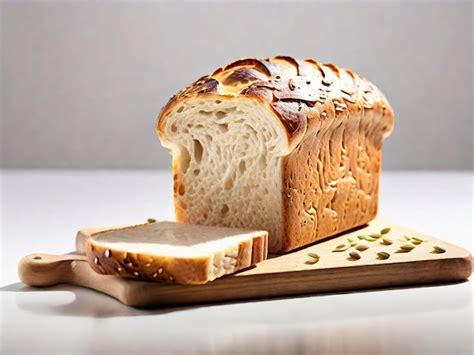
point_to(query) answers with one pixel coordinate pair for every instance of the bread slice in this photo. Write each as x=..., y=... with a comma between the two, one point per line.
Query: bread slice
x=175, y=252
x=281, y=144
x=83, y=234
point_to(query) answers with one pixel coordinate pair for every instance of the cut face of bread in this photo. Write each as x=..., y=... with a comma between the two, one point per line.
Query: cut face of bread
x=175, y=252
x=228, y=159
x=285, y=145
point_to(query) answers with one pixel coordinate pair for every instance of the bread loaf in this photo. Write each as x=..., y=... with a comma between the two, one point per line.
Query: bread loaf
x=290, y=146
x=174, y=252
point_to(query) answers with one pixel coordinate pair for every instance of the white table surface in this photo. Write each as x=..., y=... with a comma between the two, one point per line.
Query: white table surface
x=41, y=211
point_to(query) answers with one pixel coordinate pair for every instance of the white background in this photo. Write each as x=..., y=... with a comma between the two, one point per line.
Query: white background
x=83, y=81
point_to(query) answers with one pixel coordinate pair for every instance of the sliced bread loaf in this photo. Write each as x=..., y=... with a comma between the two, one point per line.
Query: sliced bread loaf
x=175, y=252
x=281, y=144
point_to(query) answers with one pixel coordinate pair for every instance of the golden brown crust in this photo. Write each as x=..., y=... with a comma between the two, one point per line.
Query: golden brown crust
x=145, y=266
x=186, y=271
x=244, y=255
x=331, y=179
x=258, y=251
x=296, y=90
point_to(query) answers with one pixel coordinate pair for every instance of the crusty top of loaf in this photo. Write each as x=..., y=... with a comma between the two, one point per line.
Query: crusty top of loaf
x=296, y=90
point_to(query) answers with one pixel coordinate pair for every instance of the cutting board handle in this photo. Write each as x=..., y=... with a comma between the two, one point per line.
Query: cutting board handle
x=42, y=270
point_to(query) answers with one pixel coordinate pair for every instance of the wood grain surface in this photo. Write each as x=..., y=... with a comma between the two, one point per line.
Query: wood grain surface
x=280, y=275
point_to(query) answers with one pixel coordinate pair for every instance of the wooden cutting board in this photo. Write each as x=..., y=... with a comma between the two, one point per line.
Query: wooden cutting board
x=283, y=275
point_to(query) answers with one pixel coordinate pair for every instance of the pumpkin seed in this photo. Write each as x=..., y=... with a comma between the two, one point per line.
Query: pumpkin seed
x=438, y=249
x=354, y=255
x=341, y=247
x=340, y=250
x=386, y=241
x=385, y=230
x=407, y=247
x=362, y=247
x=367, y=238
x=383, y=255
x=313, y=255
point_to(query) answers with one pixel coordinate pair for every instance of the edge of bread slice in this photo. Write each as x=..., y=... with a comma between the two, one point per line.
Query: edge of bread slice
x=175, y=252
